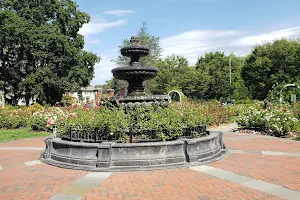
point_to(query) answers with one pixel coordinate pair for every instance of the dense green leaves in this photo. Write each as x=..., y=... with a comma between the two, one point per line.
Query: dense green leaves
x=208, y=80
x=270, y=64
x=215, y=70
x=42, y=50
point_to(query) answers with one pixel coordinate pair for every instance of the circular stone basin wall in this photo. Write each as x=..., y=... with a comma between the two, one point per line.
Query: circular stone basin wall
x=109, y=156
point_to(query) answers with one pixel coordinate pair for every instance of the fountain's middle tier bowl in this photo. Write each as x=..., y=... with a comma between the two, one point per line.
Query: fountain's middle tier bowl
x=135, y=73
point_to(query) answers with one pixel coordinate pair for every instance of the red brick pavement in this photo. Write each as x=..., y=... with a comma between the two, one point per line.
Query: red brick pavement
x=258, y=143
x=280, y=170
x=36, y=182
x=35, y=142
x=181, y=184
x=18, y=181
x=12, y=159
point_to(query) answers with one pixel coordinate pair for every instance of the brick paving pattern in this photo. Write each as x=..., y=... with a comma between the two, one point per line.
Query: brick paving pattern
x=35, y=142
x=181, y=184
x=13, y=159
x=41, y=181
x=279, y=170
x=35, y=182
x=18, y=181
x=259, y=143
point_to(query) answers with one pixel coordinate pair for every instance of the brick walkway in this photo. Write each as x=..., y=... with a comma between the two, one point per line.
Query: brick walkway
x=181, y=184
x=41, y=181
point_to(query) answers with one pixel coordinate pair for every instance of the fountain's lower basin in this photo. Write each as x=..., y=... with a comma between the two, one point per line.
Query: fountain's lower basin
x=111, y=156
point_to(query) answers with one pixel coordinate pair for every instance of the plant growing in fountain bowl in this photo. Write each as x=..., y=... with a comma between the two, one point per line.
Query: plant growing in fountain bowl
x=146, y=124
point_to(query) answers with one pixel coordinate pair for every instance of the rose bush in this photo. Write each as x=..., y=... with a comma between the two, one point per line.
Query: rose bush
x=276, y=120
x=17, y=117
x=167, y=123
x=44, y=120
x=211, y=112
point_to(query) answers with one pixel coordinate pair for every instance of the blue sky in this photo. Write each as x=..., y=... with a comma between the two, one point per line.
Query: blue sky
x=186, y=27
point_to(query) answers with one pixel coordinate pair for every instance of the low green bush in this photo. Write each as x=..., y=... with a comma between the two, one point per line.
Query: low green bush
x=12, y=119
x=211, y=112
x=39, y=120
x=17, y=117
x=276, y=120
x=244, y=101
x=167, y=123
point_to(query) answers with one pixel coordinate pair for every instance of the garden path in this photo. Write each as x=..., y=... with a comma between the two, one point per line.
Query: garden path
x=257, y=167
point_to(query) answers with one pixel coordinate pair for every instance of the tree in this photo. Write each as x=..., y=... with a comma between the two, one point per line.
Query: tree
x=42, y=50
x=146, y=40
x=214, y=68
x=271, y=64
x=169, y=76
x=176, y=74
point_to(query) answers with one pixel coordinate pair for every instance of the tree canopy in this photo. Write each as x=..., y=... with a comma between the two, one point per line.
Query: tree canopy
x=146, y=40
x=41, y=50
x=215, y=73
x=271, y=64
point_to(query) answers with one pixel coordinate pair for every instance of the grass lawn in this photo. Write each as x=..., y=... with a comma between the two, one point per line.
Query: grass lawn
x=15, y=134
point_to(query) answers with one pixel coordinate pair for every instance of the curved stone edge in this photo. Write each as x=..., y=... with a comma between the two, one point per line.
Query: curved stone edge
x=134, y=157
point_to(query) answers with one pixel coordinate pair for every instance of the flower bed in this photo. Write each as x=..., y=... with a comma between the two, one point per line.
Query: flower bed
x=151, y=123
x=276, y=120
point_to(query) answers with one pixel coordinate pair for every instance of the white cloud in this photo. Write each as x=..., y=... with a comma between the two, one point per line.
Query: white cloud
x=193, y=44
x=98, y=26
x=268, y=37
x=119, y=12
x=103, y=70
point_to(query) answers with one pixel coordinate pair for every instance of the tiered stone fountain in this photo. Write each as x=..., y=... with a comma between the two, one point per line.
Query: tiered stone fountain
x=135, y=74
x=83, y=150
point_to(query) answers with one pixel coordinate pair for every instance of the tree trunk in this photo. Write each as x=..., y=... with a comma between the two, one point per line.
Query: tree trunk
x=27, y=97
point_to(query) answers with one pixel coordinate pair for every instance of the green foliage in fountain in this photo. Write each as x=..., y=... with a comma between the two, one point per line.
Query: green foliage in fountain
x=149, y=123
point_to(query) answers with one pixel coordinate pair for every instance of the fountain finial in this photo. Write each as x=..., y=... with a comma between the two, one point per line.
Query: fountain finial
x=134, y=40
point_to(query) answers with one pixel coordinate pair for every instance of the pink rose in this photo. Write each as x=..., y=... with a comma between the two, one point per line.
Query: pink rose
x=180, y=114
x=73, y=115
x=50, y=122
x=117, y=102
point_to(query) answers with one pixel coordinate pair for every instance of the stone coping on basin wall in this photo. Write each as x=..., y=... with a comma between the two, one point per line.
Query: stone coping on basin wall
x=110, y=156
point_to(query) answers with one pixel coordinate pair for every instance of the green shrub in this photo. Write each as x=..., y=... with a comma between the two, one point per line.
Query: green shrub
x=244, y=101
x=168, y=123
x=38, y=120
x=68, y=99
x=12, y=119
x=210, y=113
x=17, y=117
x=275, y=120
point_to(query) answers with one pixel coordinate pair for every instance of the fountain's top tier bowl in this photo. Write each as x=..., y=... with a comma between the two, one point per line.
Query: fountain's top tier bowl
x=134, y=51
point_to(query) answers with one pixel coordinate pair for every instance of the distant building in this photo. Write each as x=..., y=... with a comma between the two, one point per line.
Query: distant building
x=85, y=94
x=89, y=93
x=21, y=101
